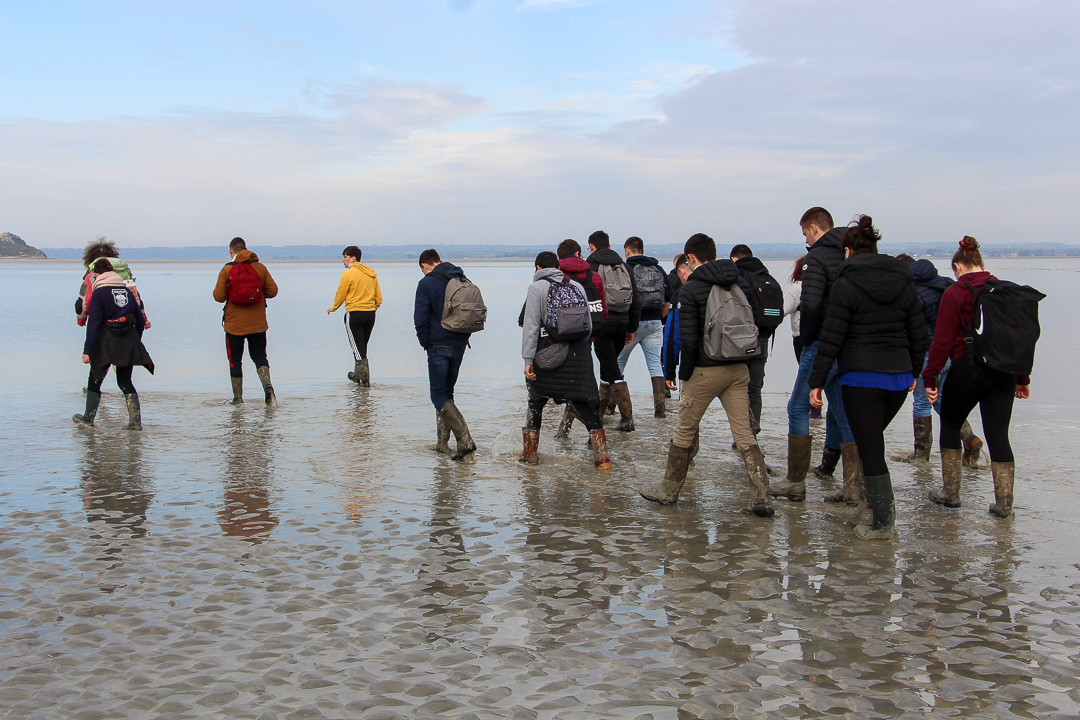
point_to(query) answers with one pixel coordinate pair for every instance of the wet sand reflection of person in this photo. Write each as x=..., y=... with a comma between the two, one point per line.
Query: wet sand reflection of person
x=115, y=489
x=247, y=508
x=360, y=418
x=447, y=572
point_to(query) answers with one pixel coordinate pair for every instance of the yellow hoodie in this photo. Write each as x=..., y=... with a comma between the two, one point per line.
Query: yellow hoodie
x=358, y=289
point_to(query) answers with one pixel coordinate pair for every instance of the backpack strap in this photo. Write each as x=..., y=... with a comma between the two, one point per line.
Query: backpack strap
x=969, y=331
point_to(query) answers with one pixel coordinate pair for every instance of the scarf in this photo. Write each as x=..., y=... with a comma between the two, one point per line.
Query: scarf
x=109, y=279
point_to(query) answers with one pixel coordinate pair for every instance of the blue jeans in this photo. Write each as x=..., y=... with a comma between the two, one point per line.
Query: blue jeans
x=798, y=406
x=443, y=363
x=650, y=335
x=920, y=406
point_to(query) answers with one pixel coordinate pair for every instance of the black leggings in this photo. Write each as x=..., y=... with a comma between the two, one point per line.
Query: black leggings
x=607, y=344
x=123, y=380
x=993, y=392
x=535, y=414
x=869, y=412
x=358, y=325
x=234, y=346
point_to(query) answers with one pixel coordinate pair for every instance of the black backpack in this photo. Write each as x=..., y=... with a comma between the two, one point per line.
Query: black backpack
x=650, y=286
x=769, y=300
x=1004, y=326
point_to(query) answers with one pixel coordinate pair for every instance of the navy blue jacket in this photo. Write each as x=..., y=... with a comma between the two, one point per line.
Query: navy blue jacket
x=669, y=356
x=930, y=286
x=655, y=314
x=427, y=313
x=110, y=304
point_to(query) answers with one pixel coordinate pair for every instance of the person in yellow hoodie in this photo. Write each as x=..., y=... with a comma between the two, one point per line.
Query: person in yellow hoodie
x=359, y=290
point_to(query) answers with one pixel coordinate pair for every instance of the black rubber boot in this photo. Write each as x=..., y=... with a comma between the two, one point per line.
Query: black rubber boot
x=879, y=494
x=830, y=457
x=134, y=411
x=924, y=430
x=87, y=418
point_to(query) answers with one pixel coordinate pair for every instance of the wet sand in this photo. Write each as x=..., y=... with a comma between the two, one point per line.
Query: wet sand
x=304, y=563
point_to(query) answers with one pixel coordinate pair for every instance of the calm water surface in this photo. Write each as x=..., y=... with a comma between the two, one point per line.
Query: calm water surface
x=318, y=560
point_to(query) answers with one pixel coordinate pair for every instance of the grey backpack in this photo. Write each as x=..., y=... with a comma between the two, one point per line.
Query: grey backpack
x=618, y=289
x=650, y=286
x=730, y=330
x=464, y=310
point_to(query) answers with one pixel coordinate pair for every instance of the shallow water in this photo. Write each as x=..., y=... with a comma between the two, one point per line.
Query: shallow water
x=318, y=560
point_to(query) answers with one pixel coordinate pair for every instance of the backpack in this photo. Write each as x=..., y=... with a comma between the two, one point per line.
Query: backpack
x=769, y=310
x=650, y=286
x=567, y=318
x=617, y=287
x=243, y=284
x=464, y=310
x=730, y=330
x=1004, y=326
x=596, y=302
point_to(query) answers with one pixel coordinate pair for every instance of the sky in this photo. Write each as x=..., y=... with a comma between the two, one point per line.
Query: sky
x=521, y=122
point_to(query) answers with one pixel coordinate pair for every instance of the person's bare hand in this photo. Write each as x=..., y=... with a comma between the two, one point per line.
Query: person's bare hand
x=529, y=372
x=671, y=385
x=913, y=384
x=629, y=338
x=1023, y=392
x=815, y=398
x=932, y=395
x=86, y=359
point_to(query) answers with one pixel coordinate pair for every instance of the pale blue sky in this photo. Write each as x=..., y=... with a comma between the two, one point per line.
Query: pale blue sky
x=519, y=122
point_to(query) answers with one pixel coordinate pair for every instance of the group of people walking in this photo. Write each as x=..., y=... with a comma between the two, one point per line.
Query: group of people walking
x=868, y=329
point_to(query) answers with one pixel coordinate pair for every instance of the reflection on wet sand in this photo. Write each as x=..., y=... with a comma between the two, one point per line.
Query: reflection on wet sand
x=247, y=507
x=116, y=490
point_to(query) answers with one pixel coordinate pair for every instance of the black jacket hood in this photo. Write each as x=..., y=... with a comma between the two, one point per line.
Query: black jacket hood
x=605, y=256
x=880, y=276
x=718, y=272
x=834, y=238
x=925, y=271
x=641, y=260
x=751, y=264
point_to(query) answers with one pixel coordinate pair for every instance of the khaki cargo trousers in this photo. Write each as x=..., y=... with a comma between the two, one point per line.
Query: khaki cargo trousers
x=731, y=384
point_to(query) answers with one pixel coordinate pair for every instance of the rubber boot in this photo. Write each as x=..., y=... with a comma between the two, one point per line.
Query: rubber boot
x=442, y=434
x=658, y=398
x=530, y=440
x=570, y=414
x=268, y=389
x=607, y=405
x=237, y=390
x=363, y=373
x=951, y=467
x=131, y=400
x=760, y=504
x=1004, y=476
x=87, y=418
x=695, y=445
x=880, y=496
x=853, y=479
x=972, y=445
x=667, y=492
x=354, y=376
x=453, y=419
x=755, y=418
x=620, y=393
x=829, y=458
x=924, y=431
x=598, y=440
x=798, y=462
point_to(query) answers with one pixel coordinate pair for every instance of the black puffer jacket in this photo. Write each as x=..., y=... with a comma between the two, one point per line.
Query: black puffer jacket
x=573, y=380
x=693, y=297
x=607, y=256
x=875, y=320
x=819, y=272
x=930, y=286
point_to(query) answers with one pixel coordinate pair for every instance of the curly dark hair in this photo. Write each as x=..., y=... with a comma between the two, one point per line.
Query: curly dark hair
x=99, y=248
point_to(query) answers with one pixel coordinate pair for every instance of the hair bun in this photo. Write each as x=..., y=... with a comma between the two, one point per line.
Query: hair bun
x=866, y=222
x=969, y=243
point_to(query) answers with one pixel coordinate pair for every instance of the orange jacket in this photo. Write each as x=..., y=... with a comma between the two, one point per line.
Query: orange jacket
x=245, y=319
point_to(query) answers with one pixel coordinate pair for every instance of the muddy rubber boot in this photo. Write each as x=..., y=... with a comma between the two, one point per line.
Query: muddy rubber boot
x=829, y=458
x=658, y=398
x=620, y=393
x=951, y=469
x=972, y=445
x=569, y=415
x=453, y=419
x=530, y=440
x=363, y=373
x=268, y=389
x=760, y=504
x=880, y=496
x=442, y=434
x=924, y=431
x=798, y=463
x=1004, y=476
x=853, y=479
x=131, y=400
x=87, y=418
x=607, y=405
x=695, y=445
x=667, y=492
x=237, y=390
x=598, y=440
x=354, y=376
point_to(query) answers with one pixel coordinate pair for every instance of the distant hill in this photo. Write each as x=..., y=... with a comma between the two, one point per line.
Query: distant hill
x=13, y=246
